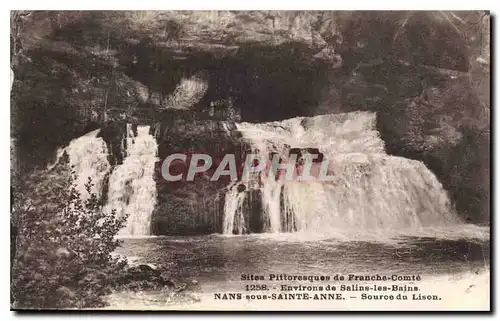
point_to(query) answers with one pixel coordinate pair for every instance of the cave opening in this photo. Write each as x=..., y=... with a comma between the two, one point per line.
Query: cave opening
x=263, y=83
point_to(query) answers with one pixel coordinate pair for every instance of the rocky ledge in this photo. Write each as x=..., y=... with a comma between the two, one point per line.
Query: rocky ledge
x=426, y=74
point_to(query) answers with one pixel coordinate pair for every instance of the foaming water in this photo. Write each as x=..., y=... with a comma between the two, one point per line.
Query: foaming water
x=234, y=204
x=271, y=192
x=88, y=156
x=370, y=190
x=335, y=134
x=132, y=189
x=380, y=193
x=131, y=186
x=453, y=232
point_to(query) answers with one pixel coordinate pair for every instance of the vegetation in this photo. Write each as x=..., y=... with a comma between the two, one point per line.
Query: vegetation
x=63, y=245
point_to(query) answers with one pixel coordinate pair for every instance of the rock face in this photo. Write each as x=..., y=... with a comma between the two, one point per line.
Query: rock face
x=185, y=206
x=426, y=74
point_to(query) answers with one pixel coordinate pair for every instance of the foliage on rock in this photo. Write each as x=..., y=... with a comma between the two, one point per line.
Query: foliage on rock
x=63, y=250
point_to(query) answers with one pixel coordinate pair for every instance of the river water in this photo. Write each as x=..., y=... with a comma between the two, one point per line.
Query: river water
x=456, y=257
x=384, y=215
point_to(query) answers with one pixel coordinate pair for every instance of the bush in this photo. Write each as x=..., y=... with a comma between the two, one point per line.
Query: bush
x=64, y=244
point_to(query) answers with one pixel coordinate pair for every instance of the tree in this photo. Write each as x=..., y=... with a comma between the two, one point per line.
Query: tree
x=64, y=245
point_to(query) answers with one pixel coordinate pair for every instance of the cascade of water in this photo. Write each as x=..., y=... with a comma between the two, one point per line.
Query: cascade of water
x=383, y=192
x=271, y=191
x=371, y=189
x=88, y=156
x=132, y=189
x=233, y=206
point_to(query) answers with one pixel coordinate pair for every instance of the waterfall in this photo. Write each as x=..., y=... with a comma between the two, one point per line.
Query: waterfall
x=234, y=221
x=370, y=190
x=131, y=186
x=88, y=156
x=132, y=189
x=379, y=193
x=271, y=192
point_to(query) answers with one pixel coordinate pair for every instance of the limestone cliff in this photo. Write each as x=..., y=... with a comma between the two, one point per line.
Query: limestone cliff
x=426, y=74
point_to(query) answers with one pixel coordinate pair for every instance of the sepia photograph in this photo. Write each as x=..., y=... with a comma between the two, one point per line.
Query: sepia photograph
x=266, y=160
